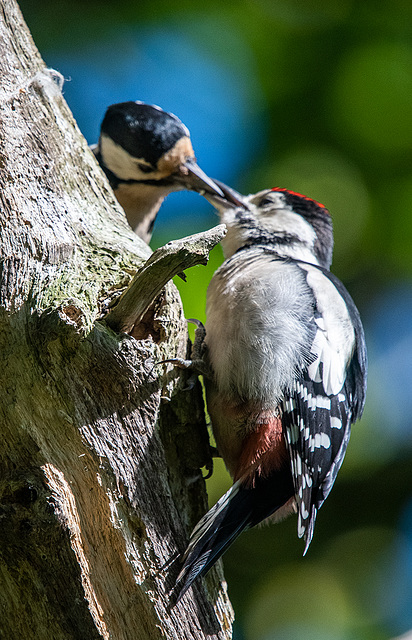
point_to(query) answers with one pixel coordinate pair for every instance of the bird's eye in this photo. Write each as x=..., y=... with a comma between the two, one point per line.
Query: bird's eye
x=266, y=201
x=145, y=168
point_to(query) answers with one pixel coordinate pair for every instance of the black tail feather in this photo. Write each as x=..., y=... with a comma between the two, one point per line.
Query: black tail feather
x=239, y=509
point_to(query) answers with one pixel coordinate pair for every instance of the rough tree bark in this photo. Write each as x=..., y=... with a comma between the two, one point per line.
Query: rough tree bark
x=100, y=476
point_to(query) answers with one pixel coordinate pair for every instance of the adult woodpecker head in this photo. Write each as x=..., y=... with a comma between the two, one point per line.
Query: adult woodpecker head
x=146, y=153
x=296, y=224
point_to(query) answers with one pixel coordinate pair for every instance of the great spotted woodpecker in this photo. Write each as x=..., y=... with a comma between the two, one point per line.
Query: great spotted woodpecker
x=146, y=153
x=287, y=363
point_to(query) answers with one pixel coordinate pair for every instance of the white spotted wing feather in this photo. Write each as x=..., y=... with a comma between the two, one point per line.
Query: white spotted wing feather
x=319, y=409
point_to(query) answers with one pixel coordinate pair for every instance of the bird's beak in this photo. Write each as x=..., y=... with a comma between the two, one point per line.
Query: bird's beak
x=192, y=177
x=230, y=199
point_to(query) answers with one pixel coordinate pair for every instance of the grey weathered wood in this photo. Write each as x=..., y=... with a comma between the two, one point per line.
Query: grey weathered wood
x=163, y=264
x=99, y=477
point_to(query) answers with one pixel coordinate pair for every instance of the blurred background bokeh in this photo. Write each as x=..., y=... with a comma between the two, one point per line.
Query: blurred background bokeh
x=316, y=96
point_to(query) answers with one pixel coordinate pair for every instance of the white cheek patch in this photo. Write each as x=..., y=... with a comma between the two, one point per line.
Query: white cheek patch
x=121, y=163
x=283, y=219
x=278, y=221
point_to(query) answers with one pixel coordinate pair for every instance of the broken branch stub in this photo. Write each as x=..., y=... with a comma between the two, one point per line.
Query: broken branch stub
x=166, y=262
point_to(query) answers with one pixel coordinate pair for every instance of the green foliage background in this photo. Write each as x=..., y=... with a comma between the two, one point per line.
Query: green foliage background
x=335, y=82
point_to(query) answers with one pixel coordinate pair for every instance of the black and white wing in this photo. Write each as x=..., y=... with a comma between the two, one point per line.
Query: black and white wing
x=326, y=397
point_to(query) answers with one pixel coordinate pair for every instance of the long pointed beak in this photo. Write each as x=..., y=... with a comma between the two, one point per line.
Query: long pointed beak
x=192, y=177
x=230, y=198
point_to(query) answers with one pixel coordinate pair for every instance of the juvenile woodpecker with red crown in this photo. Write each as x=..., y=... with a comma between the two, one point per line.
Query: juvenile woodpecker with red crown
x=284, y=368
x=146, y=153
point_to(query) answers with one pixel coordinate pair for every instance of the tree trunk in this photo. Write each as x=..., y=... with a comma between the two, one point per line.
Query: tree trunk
x=100, y=478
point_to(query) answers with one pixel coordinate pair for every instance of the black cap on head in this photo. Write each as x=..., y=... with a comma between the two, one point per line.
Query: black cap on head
x=143, y=130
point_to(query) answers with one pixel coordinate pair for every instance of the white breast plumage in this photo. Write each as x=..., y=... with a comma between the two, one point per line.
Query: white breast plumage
x=256, y=332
